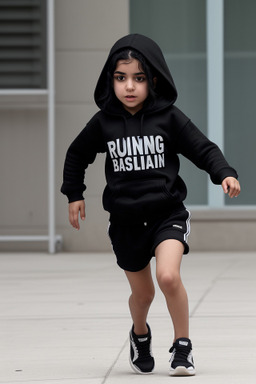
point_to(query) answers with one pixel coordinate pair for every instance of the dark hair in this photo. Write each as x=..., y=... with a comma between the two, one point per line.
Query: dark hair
x=129, y=54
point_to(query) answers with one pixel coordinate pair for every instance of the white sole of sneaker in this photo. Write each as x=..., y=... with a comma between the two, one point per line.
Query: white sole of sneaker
x=137, y=370
x=182, y=371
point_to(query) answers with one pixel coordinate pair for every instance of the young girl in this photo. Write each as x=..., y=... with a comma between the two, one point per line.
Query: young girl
x=142, y=133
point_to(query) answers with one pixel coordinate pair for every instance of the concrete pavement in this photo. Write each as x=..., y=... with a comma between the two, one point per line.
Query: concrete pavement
x=64, y=319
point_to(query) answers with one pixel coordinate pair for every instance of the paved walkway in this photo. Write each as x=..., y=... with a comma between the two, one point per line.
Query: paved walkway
x=64, y=319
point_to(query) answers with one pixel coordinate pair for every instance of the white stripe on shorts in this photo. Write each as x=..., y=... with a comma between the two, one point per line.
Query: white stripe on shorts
x=186, y=235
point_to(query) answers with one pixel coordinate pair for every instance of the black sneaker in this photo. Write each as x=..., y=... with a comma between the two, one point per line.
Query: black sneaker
x=141, y=358
x=182, y=363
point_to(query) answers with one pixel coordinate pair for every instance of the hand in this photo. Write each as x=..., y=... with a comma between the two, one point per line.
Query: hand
x=74, y=209
x=231, y=186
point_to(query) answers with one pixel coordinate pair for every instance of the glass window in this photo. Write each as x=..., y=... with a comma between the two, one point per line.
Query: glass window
x=240, y=99
x=179, y=27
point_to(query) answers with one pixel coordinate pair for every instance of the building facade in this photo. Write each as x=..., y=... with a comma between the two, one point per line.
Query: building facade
x=210, y=47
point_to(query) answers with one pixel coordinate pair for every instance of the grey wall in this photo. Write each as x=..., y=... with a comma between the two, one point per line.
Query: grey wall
x=85, y=31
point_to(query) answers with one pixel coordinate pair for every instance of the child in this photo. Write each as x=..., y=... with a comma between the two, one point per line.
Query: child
x=141, y=132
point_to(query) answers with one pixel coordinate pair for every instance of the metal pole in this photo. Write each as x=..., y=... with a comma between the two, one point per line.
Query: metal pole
x=215, y=86
x=51, y=125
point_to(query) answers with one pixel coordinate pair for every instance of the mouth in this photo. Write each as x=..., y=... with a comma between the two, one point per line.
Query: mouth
x=130, y=97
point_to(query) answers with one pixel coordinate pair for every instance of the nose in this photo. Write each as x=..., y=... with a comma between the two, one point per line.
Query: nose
x=129, y=84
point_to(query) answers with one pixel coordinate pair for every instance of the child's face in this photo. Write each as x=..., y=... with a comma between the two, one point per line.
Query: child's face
x=130, y=85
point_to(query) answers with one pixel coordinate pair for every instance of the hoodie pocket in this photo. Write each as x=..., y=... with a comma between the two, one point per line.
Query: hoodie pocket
x=138, y=197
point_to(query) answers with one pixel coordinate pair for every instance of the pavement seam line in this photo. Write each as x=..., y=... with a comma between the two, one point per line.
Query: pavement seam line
x=115, y=361
x=213, y=283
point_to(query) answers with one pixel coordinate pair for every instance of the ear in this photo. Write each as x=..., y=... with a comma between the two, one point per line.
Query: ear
x=154, y=81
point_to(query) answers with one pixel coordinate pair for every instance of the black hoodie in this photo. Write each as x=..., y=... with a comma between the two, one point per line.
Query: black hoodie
x=142, y=150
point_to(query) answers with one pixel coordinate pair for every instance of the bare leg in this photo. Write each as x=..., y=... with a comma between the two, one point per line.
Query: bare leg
x=168, y=260
x=143, y=292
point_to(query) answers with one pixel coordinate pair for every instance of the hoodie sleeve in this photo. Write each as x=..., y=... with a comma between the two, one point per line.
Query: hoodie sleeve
x=80, y=154
x=205, y=154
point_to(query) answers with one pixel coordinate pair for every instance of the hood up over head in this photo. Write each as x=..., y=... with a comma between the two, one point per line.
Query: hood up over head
x=165, y=88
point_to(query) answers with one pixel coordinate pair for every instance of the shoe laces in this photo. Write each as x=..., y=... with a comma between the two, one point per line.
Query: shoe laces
x=143, y=349
x=181, y=353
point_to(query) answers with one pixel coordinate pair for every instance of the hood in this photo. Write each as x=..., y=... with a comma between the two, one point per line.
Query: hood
x=165, y=87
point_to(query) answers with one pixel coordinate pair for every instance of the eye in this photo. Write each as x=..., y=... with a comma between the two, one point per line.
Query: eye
x=140, y=79
x=119, y=77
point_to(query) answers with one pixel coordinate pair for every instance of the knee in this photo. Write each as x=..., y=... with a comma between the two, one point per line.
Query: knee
x=169, y=282
x=143, y=299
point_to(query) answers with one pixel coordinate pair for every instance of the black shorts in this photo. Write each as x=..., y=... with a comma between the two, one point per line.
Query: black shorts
x=134, y=244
